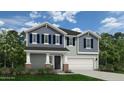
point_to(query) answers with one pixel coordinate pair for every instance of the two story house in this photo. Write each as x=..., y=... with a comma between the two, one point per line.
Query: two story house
x=63, y=49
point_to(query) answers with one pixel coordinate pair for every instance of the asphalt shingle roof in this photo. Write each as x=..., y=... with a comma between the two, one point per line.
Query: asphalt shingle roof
x=69, y=32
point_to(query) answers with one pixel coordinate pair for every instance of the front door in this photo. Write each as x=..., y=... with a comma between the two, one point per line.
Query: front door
x=57, y=62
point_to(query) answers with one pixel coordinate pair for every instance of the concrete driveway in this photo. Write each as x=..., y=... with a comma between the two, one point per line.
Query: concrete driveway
x=102, y=75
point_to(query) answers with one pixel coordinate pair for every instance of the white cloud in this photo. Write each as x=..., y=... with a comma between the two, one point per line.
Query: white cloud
x=56, y=25
x=15, y=20
x=56, y=15
x=1, y=23
x=70, y=16
x=61, y=16
x=31, y=23
x=5, y=29
x=111, y=22
x=35, y=14
x=116, y=12
x=77, y=29
x=22, y=29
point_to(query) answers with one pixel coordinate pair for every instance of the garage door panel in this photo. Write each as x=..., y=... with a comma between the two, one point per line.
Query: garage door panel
x=80, y=64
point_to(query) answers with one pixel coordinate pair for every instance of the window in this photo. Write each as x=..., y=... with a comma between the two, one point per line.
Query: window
x=46, y=38
x=88, y=43
x=57, y=39
x=34, y=38
x=71, y=41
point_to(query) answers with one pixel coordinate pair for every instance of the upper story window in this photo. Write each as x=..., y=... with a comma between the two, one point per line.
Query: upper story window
x=88, y=43
x=34, y=38
x=46, y=38
x=71, y=41
x=57, y=41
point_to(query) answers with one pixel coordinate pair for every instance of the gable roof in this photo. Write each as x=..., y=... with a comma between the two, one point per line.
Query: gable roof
x=70, y=32
x=62, y=30
x=45, y=24
x=90, y=32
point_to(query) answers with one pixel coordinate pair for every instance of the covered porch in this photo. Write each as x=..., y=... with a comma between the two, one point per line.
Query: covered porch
x=44, y=58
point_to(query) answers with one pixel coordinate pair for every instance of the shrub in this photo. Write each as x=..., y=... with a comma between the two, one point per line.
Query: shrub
x=108, y=67
x=7, y=71
x=46, y=71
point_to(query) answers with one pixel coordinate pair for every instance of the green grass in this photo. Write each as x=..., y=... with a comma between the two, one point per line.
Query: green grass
x=55, y=77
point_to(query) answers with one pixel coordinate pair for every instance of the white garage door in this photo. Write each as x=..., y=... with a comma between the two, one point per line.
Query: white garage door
x=80, y=64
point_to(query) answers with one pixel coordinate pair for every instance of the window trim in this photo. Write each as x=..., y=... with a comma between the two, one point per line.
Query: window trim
x=46, y=34
x=90, y=42
x=56, y=39
x=35, y=38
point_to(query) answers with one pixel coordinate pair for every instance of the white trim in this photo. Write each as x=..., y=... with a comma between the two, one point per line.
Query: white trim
x=43, y=51
x=88, y=37
x=70, y=45
x=93, y=33
x=65, y=58
x=64, y=41
x=27, y=40
x=57, y=43
x=71, y=35
x=88, y=52
x=45, y=33
x=34, y=42
x=57, y=34
x=28, y=60
x=34, y=33
x=47, y=58
x=48, y=24
x=88, y=48
x=77, y=45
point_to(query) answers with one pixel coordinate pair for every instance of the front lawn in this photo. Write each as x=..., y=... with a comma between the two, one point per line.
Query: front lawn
x=54, y=77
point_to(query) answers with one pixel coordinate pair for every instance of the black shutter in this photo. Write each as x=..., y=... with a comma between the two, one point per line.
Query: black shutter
x=67, y=41
x=91, y=43
x=49, y=39
x=60, y=39
x=54, y=39
x=84, y=42
x=42, y=38
x=30, y=38
x=73, y=41
x=38, y=38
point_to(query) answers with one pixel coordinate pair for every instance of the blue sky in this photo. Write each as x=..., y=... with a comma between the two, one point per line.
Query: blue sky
x=97, y=21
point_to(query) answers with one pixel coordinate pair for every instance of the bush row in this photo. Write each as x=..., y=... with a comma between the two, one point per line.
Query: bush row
x=23, y=71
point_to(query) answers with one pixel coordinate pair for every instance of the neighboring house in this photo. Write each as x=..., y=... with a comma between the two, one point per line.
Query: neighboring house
x=61, y=48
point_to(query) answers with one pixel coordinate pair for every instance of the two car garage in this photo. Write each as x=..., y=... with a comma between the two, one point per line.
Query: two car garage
x=81, y=63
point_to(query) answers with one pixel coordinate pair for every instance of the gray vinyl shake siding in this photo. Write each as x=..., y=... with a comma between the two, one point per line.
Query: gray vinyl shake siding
x=38, y=60
x=42, y=31
x=81, y=43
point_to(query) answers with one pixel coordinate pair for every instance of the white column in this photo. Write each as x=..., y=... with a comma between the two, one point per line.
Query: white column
x=28, y=58
x=47, y=59
x=65, y=59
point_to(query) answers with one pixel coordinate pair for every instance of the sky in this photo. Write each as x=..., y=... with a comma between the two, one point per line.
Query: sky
x=97, y=21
